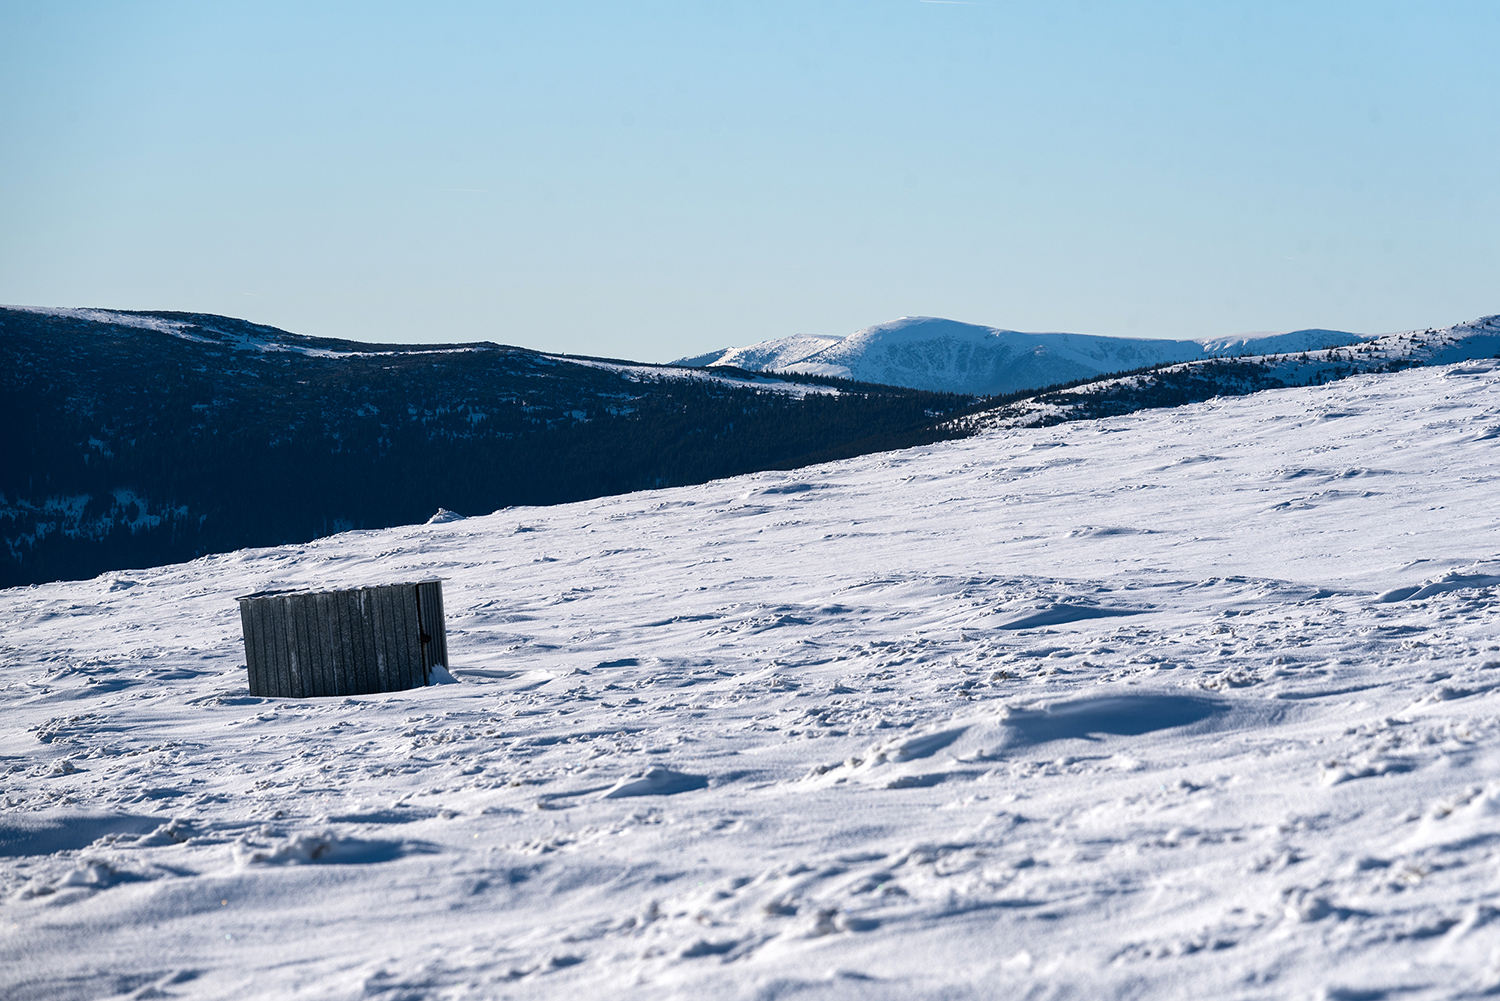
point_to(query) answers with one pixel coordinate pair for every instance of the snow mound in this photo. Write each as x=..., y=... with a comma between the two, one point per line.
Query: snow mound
x=658, y=781
x=439, y=675
x=316, y=847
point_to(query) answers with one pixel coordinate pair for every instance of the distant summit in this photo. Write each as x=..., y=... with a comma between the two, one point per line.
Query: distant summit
x=928, y=352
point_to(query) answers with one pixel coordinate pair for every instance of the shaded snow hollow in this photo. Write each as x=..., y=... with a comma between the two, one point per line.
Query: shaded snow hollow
x=928, y=352
x=1189, y=703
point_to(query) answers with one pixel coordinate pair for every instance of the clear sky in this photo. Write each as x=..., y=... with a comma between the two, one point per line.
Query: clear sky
x=650, y=180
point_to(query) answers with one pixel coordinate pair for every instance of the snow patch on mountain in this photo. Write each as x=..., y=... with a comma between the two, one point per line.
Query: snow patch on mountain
x=926, y=352
x=143, y=321
x=774, y=355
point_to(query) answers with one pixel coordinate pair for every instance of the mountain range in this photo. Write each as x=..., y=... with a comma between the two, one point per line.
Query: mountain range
x=928, y=352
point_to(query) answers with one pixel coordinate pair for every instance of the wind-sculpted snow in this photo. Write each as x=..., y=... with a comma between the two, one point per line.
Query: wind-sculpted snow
x=1199, y=702
x=926, y=352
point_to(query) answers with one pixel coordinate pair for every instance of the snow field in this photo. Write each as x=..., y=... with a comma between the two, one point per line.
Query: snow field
x=1189, y=703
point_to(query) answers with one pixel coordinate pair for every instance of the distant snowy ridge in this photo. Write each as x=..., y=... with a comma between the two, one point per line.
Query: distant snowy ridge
x=1195, y=381
x=767, y=356
x=190, y=328
x=241, y=335
x=926, y=352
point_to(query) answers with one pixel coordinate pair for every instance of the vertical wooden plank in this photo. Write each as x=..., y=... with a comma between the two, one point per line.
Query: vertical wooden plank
x=343, y=647
x=268, y=677
x=364, y=633
x=329, y=637
x=274, y=622
x=306, y=645
x=323, y=644
x=385, y=639
x=435, y=647
x=284, y=645
x=361, y=624
x=415, y=675
x=328, y=634
x=375, y=624
x=396, y=648
x=303, y=646
x=265, y=624
x=291, y=644
x=266, y=644
x=408, y=647
x=252, y=647
x=266, y=620
x=440, y=626
x=421, y=632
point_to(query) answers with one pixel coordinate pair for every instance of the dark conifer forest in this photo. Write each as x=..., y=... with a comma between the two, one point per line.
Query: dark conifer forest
x=156, y=438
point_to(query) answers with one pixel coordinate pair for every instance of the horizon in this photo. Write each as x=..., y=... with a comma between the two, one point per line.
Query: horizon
x=1244, y=334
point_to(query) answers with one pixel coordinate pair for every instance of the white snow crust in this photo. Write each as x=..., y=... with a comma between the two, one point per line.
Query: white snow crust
x=1192, y=703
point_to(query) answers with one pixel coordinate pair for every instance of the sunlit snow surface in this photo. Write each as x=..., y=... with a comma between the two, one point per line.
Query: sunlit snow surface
x=1144, y=707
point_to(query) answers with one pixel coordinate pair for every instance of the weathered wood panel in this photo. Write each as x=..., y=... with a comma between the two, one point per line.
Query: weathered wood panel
x=328, y=642
x=303, y=644
x=434, y=633
x=273, y=624
x=385, y=615
x=306, y=646
x=411, y=611
x=368, y=679
x=255, y=659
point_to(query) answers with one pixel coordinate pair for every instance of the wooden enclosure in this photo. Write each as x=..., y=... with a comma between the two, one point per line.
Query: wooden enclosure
x=306, y=644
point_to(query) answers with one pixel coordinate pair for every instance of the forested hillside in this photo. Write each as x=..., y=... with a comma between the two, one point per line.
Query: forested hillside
x=138, y=439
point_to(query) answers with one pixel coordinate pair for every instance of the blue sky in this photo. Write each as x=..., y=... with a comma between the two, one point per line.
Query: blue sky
x=650, y=180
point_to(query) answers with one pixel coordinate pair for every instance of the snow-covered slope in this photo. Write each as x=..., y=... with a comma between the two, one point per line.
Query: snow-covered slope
x=768, y=356
x=1195, y=381
x=1188, y=703
x=927, y=352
